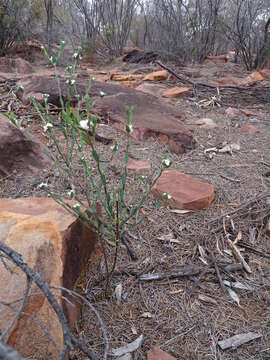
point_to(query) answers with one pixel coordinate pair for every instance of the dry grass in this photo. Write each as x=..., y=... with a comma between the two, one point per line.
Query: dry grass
x=180, y=323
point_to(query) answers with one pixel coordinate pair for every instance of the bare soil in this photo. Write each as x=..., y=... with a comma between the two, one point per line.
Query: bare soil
x=169, y=313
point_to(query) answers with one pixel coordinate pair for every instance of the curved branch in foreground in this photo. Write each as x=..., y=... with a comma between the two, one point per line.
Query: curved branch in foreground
x=69, y=339
x=6, y=353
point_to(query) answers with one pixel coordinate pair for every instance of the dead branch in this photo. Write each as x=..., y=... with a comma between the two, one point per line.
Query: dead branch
x=217, y=272
x=238, y=256
x=188, y=270
x=69, y=339
x=229, y=94
x=7, y=353
x=244, y=206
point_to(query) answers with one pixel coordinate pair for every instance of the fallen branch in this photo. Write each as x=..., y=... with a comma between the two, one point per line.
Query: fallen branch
x=188, y=270
x=230, y=94
x=69, y=339
x=238, y=256
x=242, y=207
x=7, y=353
x=217, y=272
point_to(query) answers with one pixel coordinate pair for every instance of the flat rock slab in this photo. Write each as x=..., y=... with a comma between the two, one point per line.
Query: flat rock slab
x=205, y=123
x=18, y=152
x=185, y=192
x=177, y=92
x=38, y=85
x=56, y=245
x=138, y=166
x=152, y=116
x=157, y=76
x=157, y=354
x=249, y=129
x=152, y=89
x=15, y=65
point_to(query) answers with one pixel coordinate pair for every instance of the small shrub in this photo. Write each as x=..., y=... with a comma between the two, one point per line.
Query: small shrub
x=101, y=205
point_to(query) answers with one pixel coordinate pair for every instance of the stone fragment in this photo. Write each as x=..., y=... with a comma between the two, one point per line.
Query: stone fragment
x=157, y=76
x=229, y=80
x=15, y=65
x=19, y=153
x=249, y=129
x=184, y=191
x=248, y=113
x=138, y=166
x=177, y=92
x=252, y=79
x=57, y=246
x=268, y=227
x=232, y=113
x=206, y=123
x=157, y=354
x=152, y=89
x=126, y=77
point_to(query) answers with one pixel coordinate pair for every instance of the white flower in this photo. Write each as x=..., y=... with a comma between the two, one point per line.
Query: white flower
x=166, y=162
x=42, y=186
x=71, y=193
x=21, y=87
x=83, y=158
x=45, y=97
x=114, y=147
x=69, y=68
x=47, y=126
x=142, y=177
x=42, y=47
x=76, y=207
x=70, y=82
x=102, y=94
x=84, y=124
x=166, y=196
x=129, y=128
x=63, y=42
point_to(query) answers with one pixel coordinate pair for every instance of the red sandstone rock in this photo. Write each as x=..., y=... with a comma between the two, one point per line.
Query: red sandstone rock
x=177, y=92
x=152, y=89
x=15, y=65
x=185, y=192
x=58, y=247
x=248, y=112
x=252, y=79
x=232, y=113
x=138, y=166
x=18, y=152
x=157, y=76
x=152, y=116
x=157, y=354
x=249, y=129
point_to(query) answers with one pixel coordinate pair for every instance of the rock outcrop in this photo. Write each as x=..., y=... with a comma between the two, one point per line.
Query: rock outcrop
x=152, y=116
x=58, y=247
x=19, y=153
